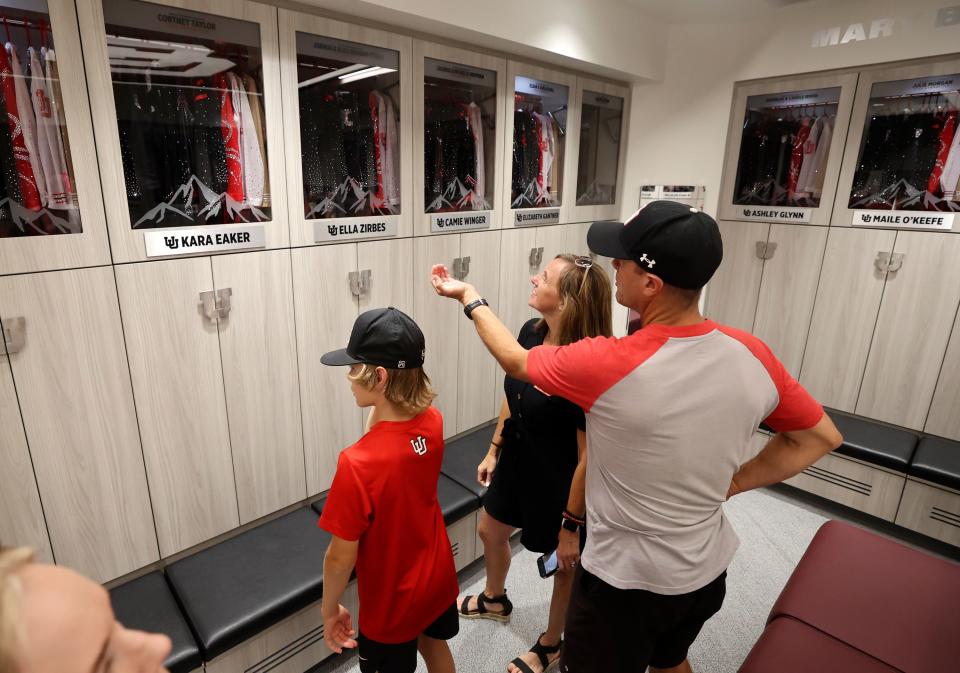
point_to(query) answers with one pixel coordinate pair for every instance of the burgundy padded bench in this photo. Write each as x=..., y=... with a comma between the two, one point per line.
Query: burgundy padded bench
x=860, y=603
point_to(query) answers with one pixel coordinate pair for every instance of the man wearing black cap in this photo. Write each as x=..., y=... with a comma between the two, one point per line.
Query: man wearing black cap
x=670, y=412
x=382, y=510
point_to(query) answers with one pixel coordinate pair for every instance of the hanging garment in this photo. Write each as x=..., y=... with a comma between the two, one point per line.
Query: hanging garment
x=26, y=181
x=796, y=158
x=818, y=169
x=391, y=145
x=951, y=169
x=554, y=172
x=62, y=143
x=526, y=158
x=209, y=151
x=475, y=118
x=230, y=129
x=256, y=108
x=803, y=189
x=250, y=155
x=545, y=139
x=943, y=152
x=47, y=133
x=377, y=199
x=385, y=185
x=23, y=130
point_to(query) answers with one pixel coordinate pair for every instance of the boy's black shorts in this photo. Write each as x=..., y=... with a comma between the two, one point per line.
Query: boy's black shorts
x=402, y=657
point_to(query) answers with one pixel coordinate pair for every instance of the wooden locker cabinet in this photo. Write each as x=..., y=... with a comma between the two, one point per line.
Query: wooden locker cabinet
x=127, y=243
x=74, y=391
x=174, y=355
x=331, y=285
x=733, y=292
x=944, y=419
x=518, y=69
x=519, y=260
x=919, y=305
x=90, y=247
x=259, y=354
x=820, y=215
x=21, y=514
x=501, y=163
x=842, y=213
x=844, y=314
x=302, y=230
x=788, y=289
x=610, y=211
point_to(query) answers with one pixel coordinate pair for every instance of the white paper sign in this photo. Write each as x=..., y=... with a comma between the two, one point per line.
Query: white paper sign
x=174, y=242
x=776, y=214
x=330, y=230
x=679, y=192
x=441, y=222
x=535, y=217
x=903, y=219
x=649, y=191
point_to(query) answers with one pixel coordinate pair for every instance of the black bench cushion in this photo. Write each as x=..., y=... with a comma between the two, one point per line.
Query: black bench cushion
x=461, y=457
x=455, y=501
x=248, y=583
x=871, y=442
x=938, y=461
x=146, y=604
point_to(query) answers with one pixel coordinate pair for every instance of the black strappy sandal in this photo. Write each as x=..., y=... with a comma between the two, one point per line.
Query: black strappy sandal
x=541, y=651
x=482, y=613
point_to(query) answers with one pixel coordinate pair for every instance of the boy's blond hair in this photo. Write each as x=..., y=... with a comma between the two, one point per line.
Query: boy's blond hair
x=11, y=560
x=408, y=389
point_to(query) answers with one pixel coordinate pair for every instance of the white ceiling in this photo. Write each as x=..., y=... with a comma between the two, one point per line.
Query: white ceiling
x=710, y=11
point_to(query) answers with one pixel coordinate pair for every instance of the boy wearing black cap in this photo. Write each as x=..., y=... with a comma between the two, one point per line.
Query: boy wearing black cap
x=669, y=411
x=382, y=509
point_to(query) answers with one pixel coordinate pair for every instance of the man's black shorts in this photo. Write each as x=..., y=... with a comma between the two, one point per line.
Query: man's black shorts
x=402, y=657
x=625, y=630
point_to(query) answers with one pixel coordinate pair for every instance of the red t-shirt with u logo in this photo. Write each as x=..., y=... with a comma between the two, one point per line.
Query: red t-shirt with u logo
x=384, y=494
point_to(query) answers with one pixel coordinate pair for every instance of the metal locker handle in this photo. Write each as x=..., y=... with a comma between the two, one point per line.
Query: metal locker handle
x=14, y=334
x=882, y=262
x=354, y=278
x=896, y=262
x=216, y=305
x=223, y=302
x=769, y=250
x=533, y=257
x=464, y=267
x=539, y=256
x=365, y=276
x=456, y=268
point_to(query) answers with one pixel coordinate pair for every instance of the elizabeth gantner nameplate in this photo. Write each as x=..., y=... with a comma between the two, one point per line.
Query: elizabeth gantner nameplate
x=776, y=214
x=441, y=222
x=173, y=242
x=332, y=230
x=531, y=218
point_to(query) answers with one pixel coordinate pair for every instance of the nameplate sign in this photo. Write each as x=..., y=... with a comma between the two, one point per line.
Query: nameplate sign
x=327, y=231
x=777, y=214
x=533, y=218
x=903, y=219
x=175, y=242
x=440, y=222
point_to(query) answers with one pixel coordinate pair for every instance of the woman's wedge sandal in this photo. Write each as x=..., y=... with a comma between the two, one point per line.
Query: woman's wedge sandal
x=481, y=612
x=541, y=651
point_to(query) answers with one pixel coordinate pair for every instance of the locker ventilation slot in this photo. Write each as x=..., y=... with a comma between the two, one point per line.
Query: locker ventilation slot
x=285, y=653
x=943, y=516
x=839, y=480
x=455, y=548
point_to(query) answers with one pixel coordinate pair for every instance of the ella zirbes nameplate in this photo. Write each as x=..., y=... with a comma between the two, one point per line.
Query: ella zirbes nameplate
x=327, y=231
x=174, y=242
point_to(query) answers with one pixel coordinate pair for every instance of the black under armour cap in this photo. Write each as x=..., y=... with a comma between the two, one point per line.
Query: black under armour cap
x=385, y=337
x=672, y=240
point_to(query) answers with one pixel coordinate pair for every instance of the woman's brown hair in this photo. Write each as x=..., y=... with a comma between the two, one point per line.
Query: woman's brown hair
x=586, y=297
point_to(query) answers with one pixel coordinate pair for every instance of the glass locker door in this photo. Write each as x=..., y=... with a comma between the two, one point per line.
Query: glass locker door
x=600, y=127
x=51, y=213
x=536, y=119
x=458, y=133
x=902, y=168
x=784, y=146
x=348, y=121
x=189, y=98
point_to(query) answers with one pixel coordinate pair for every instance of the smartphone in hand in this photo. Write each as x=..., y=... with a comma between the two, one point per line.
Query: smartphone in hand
x=547, y=564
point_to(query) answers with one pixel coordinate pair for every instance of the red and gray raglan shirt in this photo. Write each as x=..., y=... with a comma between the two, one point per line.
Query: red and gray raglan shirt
x=670, y=414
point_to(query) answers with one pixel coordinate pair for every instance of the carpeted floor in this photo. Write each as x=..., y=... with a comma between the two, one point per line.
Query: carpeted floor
x=774, y=526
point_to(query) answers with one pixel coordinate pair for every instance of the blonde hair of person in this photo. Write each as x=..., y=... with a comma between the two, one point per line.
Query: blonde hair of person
x=409, y=389
x=11, y=560
x=586, y=298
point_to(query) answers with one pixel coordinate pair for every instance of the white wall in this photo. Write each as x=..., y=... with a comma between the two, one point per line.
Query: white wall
x=604, y=37
x=678, y=126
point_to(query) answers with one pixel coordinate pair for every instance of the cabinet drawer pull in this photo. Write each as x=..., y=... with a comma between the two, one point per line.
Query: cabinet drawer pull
x=896, y=262
x=216, y=305
x=354, y=278
x=882, y=262
x=14, y=334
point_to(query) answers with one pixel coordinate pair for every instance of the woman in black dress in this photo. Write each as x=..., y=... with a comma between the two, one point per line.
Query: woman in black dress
x=537, y=451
